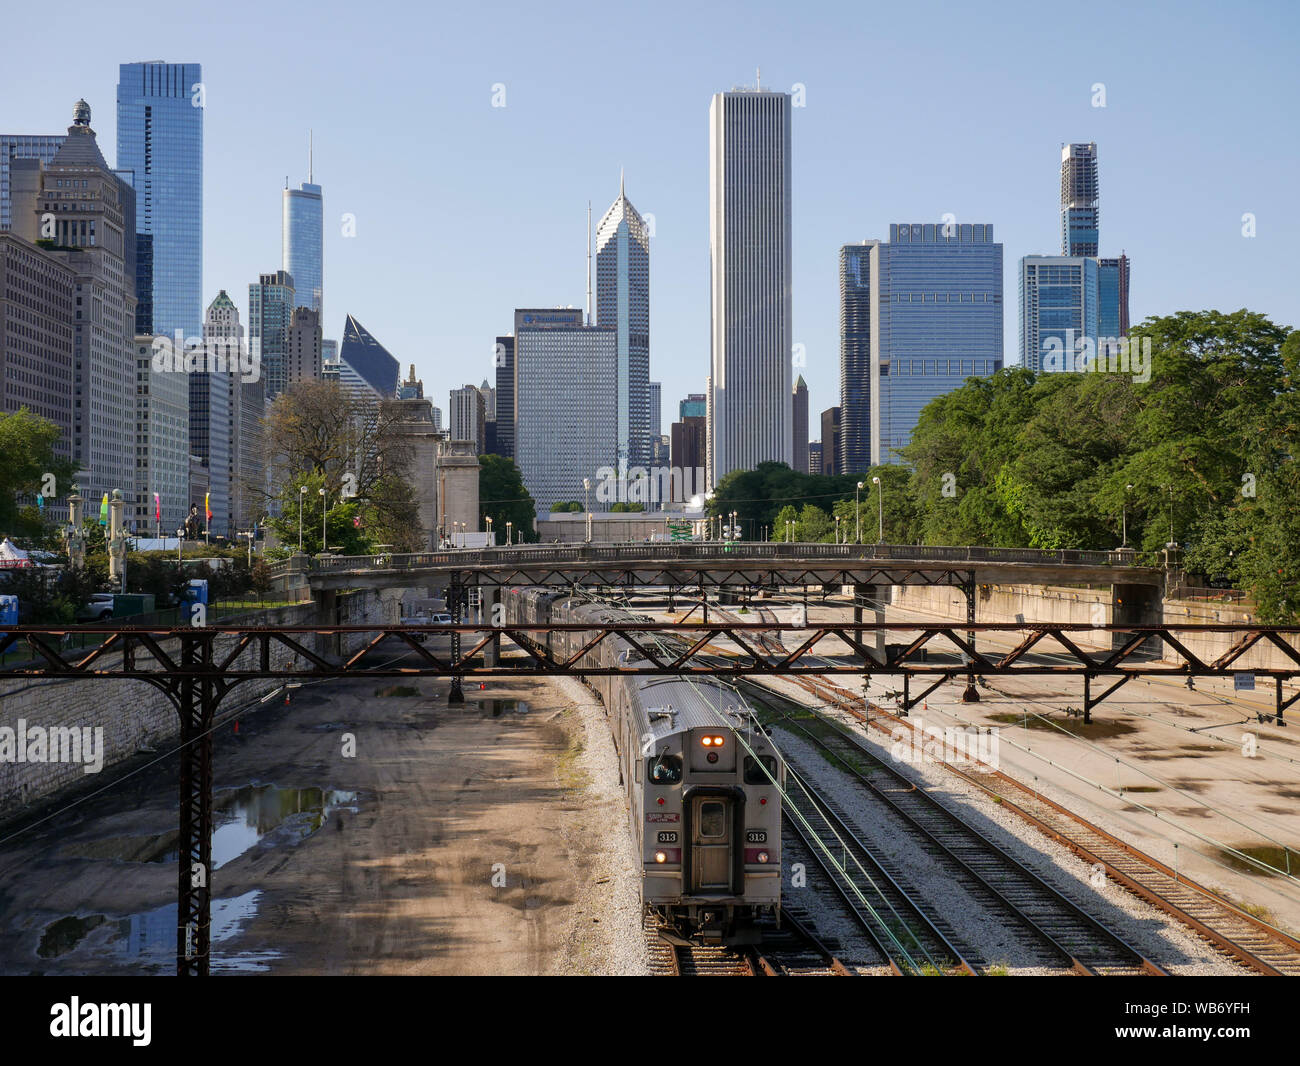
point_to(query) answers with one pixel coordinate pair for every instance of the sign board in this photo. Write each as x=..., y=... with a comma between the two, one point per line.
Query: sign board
x=1243, y=682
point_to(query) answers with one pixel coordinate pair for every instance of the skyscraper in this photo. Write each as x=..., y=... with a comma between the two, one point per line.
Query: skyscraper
x=1058, y=309
x=22, y=146
x=1080, y=213
x=271, y=300
x=566, y=404
x=623, y=304
x=655, y=393
x=504, y=359
x=467, y=416
x=831, y=447
x=919, y=314
x=211, y=429
x=1112, y=296
x=749, y=252
x=302, y=249
x=365, y=363
x=160, y=138
x=162, y=446
x=78, y=203
x=800, y=421
x=696, y=405
x=303, y=351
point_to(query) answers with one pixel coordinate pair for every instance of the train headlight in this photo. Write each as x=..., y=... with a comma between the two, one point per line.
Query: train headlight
x=762, y=856
x=661, y=857
x=712, y=741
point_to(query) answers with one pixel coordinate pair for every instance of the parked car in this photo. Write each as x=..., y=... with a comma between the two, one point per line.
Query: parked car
x=98, y=609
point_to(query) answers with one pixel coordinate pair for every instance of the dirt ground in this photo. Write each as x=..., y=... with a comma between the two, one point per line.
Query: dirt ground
x=484, y=839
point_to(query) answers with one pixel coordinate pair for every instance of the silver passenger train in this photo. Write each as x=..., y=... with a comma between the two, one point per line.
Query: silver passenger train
x=698, y=772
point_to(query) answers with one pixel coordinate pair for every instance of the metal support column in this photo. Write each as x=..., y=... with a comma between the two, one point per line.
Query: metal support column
x=198, y=705
x=1087, y=699
x=455, y=593
x=971, y=695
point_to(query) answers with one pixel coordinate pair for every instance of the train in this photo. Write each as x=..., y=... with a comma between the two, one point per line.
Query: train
x=702, y=778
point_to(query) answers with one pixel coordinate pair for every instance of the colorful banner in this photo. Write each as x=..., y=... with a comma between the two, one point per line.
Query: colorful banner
x=103, y=511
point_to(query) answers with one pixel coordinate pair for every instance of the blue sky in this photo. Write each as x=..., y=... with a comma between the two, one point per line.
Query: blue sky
x=465, y=211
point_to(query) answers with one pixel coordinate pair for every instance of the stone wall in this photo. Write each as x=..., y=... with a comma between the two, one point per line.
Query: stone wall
x=135, y=717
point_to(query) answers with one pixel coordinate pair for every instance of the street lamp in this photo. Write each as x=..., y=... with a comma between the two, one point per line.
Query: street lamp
x=880, y=491
x=509, y=533
x=1171, y=514
x=837, y=529
x=1127, y=490
x=302, y=495
x=586, y=504
x=180, y=538
x=857, y=511
x=324, y=536
x=491, y=539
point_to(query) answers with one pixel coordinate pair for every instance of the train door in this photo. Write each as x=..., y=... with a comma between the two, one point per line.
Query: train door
x=711, y=844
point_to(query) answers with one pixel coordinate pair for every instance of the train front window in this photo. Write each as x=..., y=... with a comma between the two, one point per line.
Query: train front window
x=713, y=821
x=754, y=772
x=664, y=769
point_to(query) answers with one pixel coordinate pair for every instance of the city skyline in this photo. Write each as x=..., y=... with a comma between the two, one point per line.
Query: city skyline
x=1155, y=112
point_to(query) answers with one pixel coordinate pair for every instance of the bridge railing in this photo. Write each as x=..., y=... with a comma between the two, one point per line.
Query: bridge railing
x=541, y=554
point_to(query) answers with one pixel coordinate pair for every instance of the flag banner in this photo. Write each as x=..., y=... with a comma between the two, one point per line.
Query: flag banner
x=207, y=505
x=103, y=511
x=157, y=507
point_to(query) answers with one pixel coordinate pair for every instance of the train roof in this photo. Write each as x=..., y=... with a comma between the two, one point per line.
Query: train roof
x=672, y=705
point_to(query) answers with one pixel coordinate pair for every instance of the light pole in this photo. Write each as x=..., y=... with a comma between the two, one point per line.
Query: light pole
x=324, y=537
x=492, y=539
x=180, y=539
x=302, y=495
x=1127, y=490
x=880, y=492
x=735, y=525
x=837, y=529
x=857, y=512
x=510, y=533
x=1171, y=514
x=586, y=504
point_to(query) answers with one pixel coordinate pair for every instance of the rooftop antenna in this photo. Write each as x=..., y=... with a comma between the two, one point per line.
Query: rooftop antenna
x=589, y=262
x=758, y=79
x=310, y=153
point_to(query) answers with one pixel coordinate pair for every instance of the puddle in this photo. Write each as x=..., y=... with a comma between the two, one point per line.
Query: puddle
x=243, y=818
x=498, y=708
x=149, y=938
x=1269, y=854
x=62, y=936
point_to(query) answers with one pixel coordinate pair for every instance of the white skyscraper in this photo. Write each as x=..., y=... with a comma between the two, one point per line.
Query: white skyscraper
x=751, y=418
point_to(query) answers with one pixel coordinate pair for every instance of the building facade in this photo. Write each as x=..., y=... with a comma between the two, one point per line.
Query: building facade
x=160, y=138
x=1059, y=310
x=77, y=204
x=1080, y=200
x=694, y=406
x=750, y=260
x=919, y=314
x=467, y=416
x=216, y=429
x=364, y=363
x=37, y=290
x=271, y=300
x=566, y=409
x=799, y=409
x=503, y=358
x=831, y=441
x=303, y=350
x=688, y=441
x=162, y=436
x=41, y=147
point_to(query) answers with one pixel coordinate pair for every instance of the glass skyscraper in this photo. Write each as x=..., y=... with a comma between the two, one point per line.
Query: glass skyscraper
x=623, y=304
x=302, y=243
x=160, y=138
x=919, y=314
x=1059, y=309
x=270, y=313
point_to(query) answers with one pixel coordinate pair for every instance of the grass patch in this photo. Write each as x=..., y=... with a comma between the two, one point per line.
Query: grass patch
x=1142, y=788
x=997, y=969
x=1073, y=726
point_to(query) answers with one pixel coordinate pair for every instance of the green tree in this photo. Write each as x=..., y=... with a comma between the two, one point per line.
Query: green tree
x=503, y=498
x=27, y=443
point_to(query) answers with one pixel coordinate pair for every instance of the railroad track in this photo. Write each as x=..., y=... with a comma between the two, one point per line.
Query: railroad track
x=790, y=950
x=1249, y=940
x=998, y=880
